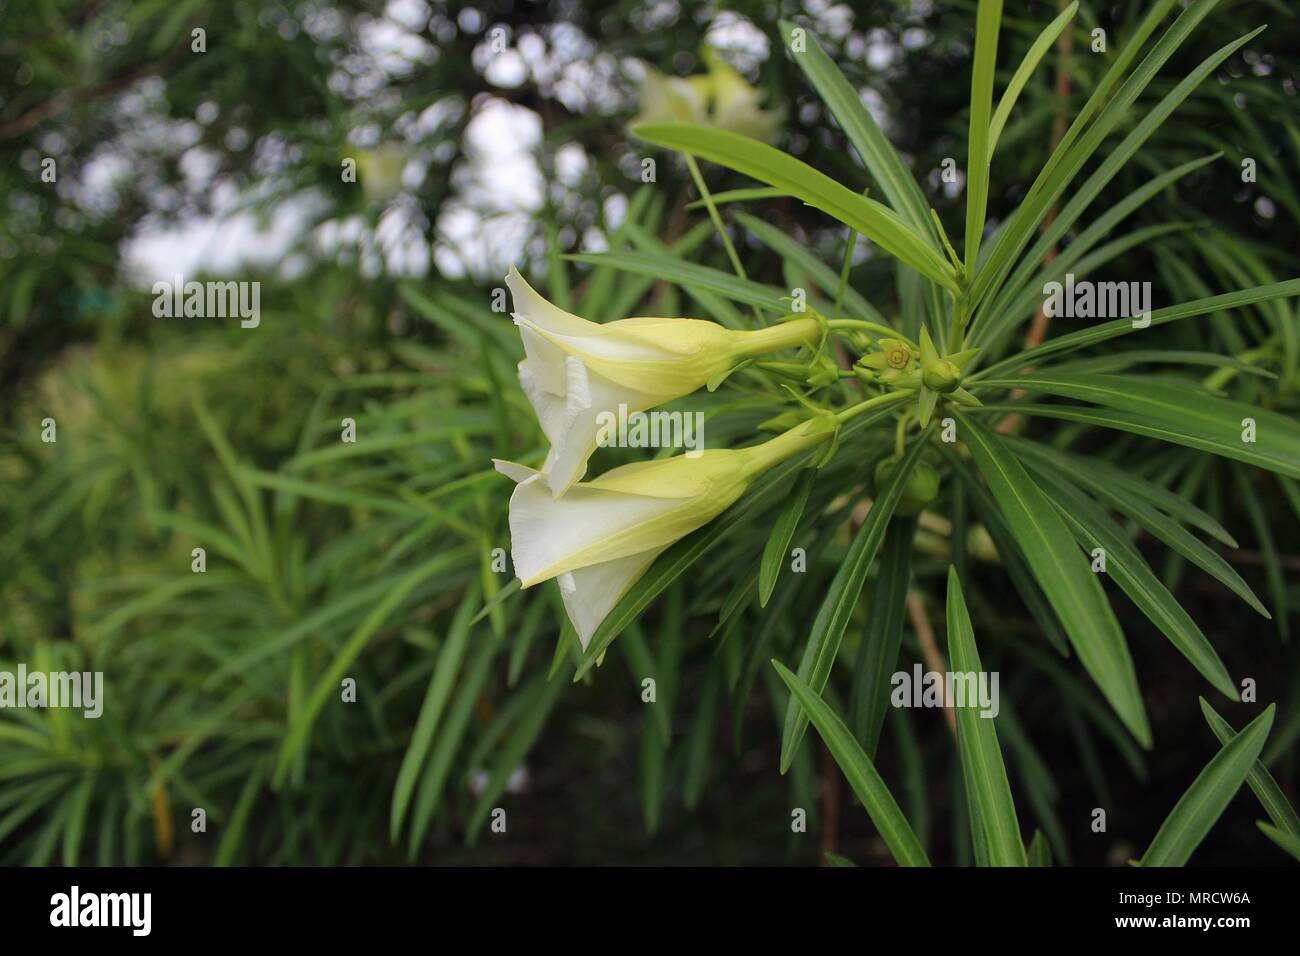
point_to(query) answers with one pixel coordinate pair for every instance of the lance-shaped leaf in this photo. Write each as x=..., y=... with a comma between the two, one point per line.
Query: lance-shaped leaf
x=1025, y=71
x=874, y=220
x=1082, y=139
x=842, y=596
x=778, y=542
x=439, y=691
x=878, y=652
x=1270, y=795
x=1063, y=573
x=1094, y=529
x=1040, y=854
x=1094, y=335
x=673, y=269
x=977, y=741
x=859, y=771
x=988, y=22
x=1287, y=841
x=1175, y=412
x=1137, y=499
x=1208, y=796
x=877, y=153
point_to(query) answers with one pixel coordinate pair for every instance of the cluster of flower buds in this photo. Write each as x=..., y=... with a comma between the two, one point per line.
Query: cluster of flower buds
x=897, y=364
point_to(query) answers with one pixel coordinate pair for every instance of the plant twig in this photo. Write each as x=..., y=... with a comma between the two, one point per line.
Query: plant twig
x=930, y=652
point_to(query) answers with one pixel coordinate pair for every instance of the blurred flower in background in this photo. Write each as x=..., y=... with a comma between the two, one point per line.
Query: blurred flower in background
x=719, y=98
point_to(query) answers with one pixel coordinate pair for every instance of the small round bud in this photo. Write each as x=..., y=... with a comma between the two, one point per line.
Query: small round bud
x=921, y=487
x=941, y=376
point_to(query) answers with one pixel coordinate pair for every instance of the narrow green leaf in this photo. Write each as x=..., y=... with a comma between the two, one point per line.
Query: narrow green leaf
x=497, y=600
x=699, y=743
x=1250, y=500
x=1063, y=573
x=1023, y=72
x=1287, y=841
x=860, y=773
x=979, y=152
x=1209, y=795
x=1022, y=294
x=878, y=652
x=1040, y=854
x=1094, y=529
x=521, y=740
x=75, y=825
x=874, y=148
x=454, y=727
x=296, y=737
x=1126, y=495
x=1116, y=327
x=1149, y=122
x=738, y=195
x=842, y=596
x=977, y=740
x=653, y=746
x=1115, y=486
x=1082, y=139
x=683, y=273
x=874, y=220
x=445, y=671
x=232, y=836
x=794, y=252
x=1270, y=795
x=778, y=542
x=1178, y=413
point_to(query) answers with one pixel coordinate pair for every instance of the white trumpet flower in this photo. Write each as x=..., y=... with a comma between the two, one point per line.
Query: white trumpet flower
x=602, y=535
x=576, y=371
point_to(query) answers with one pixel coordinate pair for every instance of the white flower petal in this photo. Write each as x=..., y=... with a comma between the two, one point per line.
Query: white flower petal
x=577, y=390
x=546, y=532
x=590, y=593
x=571, y=420
x=552, y=318
x=545, y=360
x=548, y=329
x=549, y=406
x=513, y=470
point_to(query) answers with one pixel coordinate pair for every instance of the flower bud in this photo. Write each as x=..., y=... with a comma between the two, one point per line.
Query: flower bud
x=920, y=488
x=941, y=376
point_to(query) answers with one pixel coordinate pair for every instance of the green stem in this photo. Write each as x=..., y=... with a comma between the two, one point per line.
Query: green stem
x=888, y=398
x=717, y=222
x=870, y=327
x=960, y=317
x=797, y=439
x=900, y=431
x=849, y=246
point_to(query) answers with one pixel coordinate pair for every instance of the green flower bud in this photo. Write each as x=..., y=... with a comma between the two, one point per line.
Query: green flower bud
x=921, y=487
x=941, y=376
x=864, y=375
x=823, y=372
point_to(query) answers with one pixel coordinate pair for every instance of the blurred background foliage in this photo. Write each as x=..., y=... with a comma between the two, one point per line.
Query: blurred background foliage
x=374, y=561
